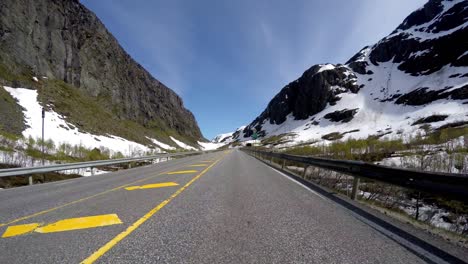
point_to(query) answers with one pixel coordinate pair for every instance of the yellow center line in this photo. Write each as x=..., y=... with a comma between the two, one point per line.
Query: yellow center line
x=80, y=200
x=109, y=245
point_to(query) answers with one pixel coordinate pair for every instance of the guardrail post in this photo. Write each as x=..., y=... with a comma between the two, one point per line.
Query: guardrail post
x=271, y=159
x=355, y=190
x=283, y=164
x=30, y=180
x=305, y=171
x=92, y=171
x=418, y=198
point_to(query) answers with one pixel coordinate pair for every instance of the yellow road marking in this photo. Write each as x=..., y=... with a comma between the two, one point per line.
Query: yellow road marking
x=64, y=225
x=198, y=165
x=151, y=186
x=182, y=172
x=207, y=160
x=79, y=200
x=80, y=223
x=97, y=254
x=19, y=230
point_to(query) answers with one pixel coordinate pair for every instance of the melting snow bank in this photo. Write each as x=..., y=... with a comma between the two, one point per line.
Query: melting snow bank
x=160, y=144
x=57, y=129
x=210, y=145
x=183, y=145
x=85, y=172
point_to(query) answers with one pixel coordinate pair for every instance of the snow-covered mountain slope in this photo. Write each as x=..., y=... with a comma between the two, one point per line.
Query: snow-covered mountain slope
x=210, y=145
x=228, y=138
x=60, y=131
x=57, y=129
x=417, y=75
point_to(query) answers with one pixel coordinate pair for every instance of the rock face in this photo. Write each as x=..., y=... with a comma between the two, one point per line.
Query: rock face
x=344, y=115
x=63, y=40
x=422, y=96
x=308, y=95
x=424, y=62
x=422, y=55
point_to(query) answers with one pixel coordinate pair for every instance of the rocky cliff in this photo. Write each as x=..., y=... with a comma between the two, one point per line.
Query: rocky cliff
x=64, y=41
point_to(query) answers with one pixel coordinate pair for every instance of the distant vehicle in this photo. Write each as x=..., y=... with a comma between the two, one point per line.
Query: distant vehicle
x=249, y=144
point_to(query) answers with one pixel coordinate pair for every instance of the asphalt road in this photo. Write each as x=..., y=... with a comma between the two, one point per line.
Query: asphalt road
x=227, y=207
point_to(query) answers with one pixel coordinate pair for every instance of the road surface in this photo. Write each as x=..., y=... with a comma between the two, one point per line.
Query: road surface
x=223, y=207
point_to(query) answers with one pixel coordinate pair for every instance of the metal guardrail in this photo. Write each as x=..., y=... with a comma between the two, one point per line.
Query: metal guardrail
x=88, y=164
x=449, y=185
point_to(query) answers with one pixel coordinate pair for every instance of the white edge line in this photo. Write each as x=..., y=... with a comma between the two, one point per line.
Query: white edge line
x=297, y=182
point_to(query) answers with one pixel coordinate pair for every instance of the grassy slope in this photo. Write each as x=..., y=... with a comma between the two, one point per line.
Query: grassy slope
x=12, y=117
x=88, y=113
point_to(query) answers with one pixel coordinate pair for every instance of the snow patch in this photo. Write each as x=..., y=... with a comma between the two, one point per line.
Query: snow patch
x=160, y=144
x=221, y=137
x=326, y=67
x=210, y=145
x=182, y=144
x=58, y=130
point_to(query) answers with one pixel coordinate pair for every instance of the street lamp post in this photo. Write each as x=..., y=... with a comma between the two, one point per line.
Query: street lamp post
x=42, y=147
x=43, y=117
x=43, y=142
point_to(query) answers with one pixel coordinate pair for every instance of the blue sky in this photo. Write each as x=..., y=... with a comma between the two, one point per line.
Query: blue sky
x=227, y=59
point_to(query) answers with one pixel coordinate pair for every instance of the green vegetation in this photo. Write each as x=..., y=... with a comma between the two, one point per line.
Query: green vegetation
x=276, y=140
x=64, y=152
x=333, y=136
x=441, y=136
x=9, y=136
x=16, y=181
x=370, y=149
x=14, y=75
x=11, y=121
x=305, y=151
x=375, y=149
x=99, y=116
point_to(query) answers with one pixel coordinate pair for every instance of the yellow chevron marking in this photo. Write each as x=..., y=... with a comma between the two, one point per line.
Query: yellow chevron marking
x=151, y=186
